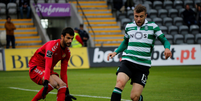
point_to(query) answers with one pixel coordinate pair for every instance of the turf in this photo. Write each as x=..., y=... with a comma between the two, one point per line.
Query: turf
x=165, y=83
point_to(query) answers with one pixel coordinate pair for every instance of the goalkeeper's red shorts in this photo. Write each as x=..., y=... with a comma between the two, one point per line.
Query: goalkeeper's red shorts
x=36, y=74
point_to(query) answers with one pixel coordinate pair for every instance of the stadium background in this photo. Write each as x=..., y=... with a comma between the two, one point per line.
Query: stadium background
x=178, y=78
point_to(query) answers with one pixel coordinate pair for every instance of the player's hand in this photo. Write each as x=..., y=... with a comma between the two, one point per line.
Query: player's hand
x=45, y=84
x=111, y=55
x=70, y=97
x=167, y=53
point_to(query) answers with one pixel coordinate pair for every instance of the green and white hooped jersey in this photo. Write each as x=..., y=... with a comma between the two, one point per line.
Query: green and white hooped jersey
x=140, y=42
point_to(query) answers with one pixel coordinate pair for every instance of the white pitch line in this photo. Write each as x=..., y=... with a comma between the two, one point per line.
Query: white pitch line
x=72, y=94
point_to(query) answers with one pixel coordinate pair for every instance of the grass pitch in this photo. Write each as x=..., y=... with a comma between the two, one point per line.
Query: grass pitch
x=165, y=83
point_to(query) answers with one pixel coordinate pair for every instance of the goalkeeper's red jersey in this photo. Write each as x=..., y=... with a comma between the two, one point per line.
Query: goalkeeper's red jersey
x=48, y=55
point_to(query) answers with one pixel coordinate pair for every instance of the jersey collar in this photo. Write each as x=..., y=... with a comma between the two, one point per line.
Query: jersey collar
x=62, y=47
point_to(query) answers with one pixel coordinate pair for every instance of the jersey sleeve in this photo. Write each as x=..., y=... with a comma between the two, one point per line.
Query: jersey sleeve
x=50, y=49
x=123, y=45
x=157, y=30
x=63, y=72
x=160, y=36
x=164, y=41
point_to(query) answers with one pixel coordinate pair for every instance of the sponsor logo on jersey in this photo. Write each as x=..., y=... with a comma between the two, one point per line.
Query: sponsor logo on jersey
x=55, y=46
x=131, y=29
x=49, y=53
x=63, y=55
x=137, y=35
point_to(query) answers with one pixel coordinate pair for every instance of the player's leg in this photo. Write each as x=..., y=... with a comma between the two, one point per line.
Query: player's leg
x=36, y=74
x=138, y=81
x=136, y=92
x=61, y=88
x=122, y=79
x=51, y=85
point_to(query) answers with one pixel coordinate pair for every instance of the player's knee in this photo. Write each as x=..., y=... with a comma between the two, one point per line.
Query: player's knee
x=135, y=97
x=54, y=84
x=120, y=84
x=62, y=84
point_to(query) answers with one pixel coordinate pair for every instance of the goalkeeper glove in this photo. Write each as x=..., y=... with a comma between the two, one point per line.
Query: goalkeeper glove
x=68, y=96
x=45, y=84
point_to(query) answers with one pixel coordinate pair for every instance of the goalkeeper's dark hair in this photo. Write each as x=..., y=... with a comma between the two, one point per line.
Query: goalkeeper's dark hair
x=139, y=8
x=68, y=30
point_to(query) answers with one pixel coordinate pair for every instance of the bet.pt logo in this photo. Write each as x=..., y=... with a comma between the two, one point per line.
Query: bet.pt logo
x=185, y=55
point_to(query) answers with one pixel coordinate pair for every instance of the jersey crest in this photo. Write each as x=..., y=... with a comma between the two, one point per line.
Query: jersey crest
x=63, y=55
x=146, y=27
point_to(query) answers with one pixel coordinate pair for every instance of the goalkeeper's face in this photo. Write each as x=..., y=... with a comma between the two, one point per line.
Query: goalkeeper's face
x=66, y=41
x=139, y=17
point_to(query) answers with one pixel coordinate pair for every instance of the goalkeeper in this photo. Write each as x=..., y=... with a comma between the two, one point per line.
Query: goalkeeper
x=42, y=65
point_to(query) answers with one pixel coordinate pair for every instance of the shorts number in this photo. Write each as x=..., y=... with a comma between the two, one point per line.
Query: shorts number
x=144, y=78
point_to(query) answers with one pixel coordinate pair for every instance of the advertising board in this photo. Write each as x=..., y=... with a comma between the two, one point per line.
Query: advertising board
x=53, y=9
x=181, y=55
x=18, y=59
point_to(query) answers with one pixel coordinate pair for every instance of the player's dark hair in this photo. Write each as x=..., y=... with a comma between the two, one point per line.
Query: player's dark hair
x=139, y=8
x=68, y=30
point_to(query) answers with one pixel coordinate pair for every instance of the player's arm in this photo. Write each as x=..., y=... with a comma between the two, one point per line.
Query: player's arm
x=48, y=65
x=164, y=41
x=48, y=61
x=166, y=45
x=63, y=73
x=161, y=37
x=121, y=48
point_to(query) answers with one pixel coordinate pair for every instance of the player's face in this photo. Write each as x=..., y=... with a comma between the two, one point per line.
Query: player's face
x=139, y=18
x=67, y=40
